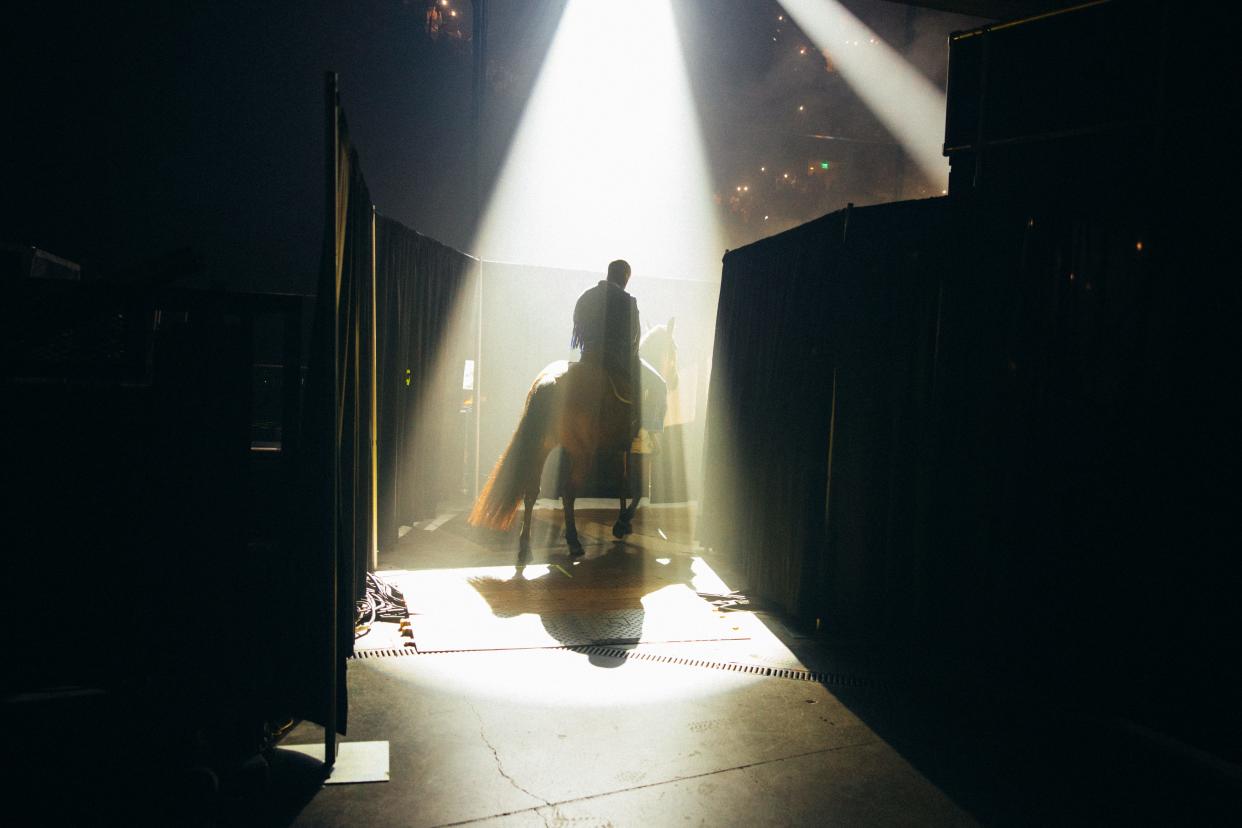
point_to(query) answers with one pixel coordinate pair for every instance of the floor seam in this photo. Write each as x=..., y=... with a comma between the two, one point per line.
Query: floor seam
x=703, y=775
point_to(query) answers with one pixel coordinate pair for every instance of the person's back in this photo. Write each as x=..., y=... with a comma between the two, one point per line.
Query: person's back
x=606, y=324
x=606, y=329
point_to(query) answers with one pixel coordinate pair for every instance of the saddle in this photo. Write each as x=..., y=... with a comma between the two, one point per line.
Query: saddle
x=618, y=400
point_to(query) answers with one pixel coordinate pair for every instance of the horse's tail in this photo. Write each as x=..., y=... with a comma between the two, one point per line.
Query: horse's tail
x=498, y=502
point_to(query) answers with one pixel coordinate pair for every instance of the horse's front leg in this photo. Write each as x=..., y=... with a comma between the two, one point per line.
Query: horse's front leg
x=571, y=530
x=625, y=489
x=625, y=519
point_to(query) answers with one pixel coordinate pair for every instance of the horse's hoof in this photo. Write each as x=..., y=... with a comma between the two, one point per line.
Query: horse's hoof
x=575, y=549
x=621, y=528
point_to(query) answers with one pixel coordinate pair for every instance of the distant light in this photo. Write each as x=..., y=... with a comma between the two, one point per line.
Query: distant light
x=746, y=189
x=823, y=165
x=763, y=169
x=443, y=2
x=739, y=189
x=453, y=12
x=780, y=17
x=1139, y=247
x=801, y=107
x=802, y=51
x=765, y=218
x=944, y=192
x=787, y=175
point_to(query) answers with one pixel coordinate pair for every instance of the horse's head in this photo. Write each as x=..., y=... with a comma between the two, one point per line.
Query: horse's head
x=660, y=349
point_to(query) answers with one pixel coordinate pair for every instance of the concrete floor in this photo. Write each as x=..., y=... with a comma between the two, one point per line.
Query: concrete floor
x=550, y=738
x=553, y=737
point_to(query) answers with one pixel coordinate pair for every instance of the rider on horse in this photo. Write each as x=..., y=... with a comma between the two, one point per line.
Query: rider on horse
x=606, y=329
x=588, y=408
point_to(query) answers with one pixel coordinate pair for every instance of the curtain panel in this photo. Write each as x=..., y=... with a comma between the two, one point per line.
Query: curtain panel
x=424, y=328
x=338, y=426
x=819, y=375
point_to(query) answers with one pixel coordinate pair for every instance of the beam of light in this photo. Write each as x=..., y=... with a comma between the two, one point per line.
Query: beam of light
x=908, y=104
x=607, y=161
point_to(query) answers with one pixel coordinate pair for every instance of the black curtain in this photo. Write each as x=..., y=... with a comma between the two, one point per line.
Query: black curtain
x=423, y=430
x=1005, y=423
x=995, y=430
x=382, y=408
x=769, y=406
x=337, y=434
x=821, y=367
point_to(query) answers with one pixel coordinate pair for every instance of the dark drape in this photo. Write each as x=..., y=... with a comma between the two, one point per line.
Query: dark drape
x=339, y=424
x=382, y=410
x=996, y=429
x=422, y=435
x=821, y=363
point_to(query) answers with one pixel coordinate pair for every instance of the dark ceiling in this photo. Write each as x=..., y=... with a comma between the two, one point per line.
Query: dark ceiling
x=995, y=9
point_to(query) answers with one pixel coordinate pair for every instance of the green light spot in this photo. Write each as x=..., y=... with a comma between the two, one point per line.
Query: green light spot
x=823, y=165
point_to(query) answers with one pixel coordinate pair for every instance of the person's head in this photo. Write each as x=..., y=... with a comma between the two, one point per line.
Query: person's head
x=619, y=272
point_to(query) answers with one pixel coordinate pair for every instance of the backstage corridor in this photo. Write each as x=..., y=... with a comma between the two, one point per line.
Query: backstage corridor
x=753, y=724
x=653, y=732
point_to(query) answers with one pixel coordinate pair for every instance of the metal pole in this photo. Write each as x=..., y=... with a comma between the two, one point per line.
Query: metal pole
x=478, y=377
x=373, y=373
x=478, y=86
x=332, y=164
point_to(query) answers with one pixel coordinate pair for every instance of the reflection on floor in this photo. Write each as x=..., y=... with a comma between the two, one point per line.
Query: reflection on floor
x=514, y=729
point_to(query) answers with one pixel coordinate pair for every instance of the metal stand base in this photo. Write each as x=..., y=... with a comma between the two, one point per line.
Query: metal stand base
x=355, y=761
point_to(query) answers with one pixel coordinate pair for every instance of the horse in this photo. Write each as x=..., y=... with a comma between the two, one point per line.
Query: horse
x=578, y=407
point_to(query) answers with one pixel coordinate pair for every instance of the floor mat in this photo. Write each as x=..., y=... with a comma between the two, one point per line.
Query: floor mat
x=623, y=596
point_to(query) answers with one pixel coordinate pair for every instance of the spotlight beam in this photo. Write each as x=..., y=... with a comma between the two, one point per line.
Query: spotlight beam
x=908, y=104
x=608, y=161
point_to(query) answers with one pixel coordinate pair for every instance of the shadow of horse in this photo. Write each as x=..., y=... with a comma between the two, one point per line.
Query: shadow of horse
x=591, y=600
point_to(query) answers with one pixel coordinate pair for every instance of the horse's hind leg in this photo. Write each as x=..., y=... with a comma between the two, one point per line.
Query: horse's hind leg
x=529, y=495
x=572, y=484
x=527, y=516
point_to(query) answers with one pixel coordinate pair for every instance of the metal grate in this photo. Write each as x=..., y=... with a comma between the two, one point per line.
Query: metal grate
x=828, y=679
